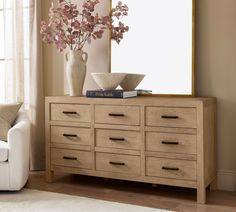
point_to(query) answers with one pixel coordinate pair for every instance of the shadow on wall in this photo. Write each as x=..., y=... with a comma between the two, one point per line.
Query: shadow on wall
x=215, y=76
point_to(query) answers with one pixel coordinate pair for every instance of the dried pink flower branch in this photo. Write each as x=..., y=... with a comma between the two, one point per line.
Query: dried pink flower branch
x=70, y=27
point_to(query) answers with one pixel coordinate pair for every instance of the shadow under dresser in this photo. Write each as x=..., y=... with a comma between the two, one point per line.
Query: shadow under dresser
x=159, y=140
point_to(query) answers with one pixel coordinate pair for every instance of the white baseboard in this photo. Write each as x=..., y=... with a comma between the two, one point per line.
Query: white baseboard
x=226, y=180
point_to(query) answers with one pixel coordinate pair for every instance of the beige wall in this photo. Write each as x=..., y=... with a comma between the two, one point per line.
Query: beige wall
x=215, y=73
x=54, y=61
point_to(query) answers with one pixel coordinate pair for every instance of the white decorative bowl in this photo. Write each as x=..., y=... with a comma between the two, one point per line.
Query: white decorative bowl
x=131, y=81
x=108, y=81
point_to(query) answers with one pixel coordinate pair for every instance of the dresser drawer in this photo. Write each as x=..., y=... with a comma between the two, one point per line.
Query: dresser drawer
x=71, y=135
x=170, y=168
x=171, y=117
x=170, y=142
x=71, y=112
x=128, y=164
x=125, y=115
x=118, y=139
x=71, y=158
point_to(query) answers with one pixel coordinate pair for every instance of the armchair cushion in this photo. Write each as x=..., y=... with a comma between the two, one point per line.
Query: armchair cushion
x=8, y=113
x=3, y=151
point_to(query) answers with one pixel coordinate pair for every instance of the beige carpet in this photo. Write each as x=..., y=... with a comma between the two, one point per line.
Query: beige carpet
x=29, y=200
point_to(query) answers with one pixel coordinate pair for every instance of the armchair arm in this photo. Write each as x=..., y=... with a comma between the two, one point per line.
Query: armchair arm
x=18, y=143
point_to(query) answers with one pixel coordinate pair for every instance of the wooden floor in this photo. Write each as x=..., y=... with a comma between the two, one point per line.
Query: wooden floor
x=162, y=197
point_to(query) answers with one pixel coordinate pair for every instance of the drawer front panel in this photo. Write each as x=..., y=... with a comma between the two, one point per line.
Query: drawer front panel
x=71, y=112
x=171, y=117
x=118, y=163
x=71, y=158
x=125, y=115
x=71, y=135
x=169, y=168
x=118, y=139
x=170, y=142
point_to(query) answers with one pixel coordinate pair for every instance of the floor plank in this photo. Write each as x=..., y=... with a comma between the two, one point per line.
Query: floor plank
x=162, y=197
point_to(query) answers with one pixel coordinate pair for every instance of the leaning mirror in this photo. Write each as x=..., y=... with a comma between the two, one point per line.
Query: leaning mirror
x=159, y=44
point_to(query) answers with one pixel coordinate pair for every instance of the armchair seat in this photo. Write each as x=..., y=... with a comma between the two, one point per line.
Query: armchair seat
x=3, y=151
x=14, y=155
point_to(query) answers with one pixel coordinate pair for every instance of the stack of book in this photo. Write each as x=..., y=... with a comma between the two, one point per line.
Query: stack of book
x=115, y=93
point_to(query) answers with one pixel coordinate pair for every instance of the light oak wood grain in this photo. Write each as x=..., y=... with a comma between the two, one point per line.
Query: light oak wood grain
x=128, y=164
x=71, y=158
x=140, y=100
x=201, y=186
x=171, y=142
x=186, y=117
x=143, y=140
x=117, y=127
x=49, y=172
x=142, y=122
x=161, y=167
x=125, y=176
x=177, y=130
x=118, y=139
x=171, y=155
x=71, y=135
x=64, y=112
x=131, y=114
x=93, y=137
x=117, y=151
x=70, y=146
x=70, y=124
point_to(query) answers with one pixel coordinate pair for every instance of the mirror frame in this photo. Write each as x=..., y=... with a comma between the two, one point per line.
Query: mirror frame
x=193, y=55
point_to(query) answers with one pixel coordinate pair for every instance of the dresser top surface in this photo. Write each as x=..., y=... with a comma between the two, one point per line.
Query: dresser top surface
x=147, y=100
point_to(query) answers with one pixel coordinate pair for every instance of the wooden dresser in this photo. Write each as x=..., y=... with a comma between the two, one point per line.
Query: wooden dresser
x=159, y=140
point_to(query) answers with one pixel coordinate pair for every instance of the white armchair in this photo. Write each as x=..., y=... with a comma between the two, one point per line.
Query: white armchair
x=14, y=155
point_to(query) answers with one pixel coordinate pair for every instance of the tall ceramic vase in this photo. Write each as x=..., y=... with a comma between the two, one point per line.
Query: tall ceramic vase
x=76, y=61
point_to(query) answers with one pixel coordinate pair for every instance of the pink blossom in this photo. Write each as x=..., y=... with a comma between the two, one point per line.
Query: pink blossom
x=69, y=27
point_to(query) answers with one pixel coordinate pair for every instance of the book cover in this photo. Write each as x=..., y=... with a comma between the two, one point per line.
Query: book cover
x=110, y=94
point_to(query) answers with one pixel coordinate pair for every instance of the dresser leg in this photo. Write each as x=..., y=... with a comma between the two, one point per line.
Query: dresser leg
x=201, y=195
x=49, y=176
x=213, y=185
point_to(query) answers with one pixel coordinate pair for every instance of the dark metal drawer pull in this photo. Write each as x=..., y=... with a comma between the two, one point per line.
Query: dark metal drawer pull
x=170, y=168
x=170, y=117
x=69, y=135
x=69, y=112
x=69, y=158
x=170, y=142
x=117, y=163
x=116, y=114
x=117, y=139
